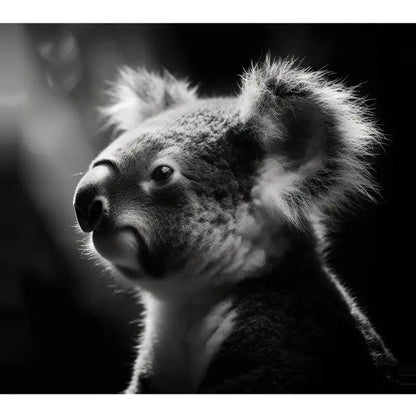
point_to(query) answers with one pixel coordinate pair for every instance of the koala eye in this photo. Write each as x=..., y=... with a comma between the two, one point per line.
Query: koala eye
x=162, y=173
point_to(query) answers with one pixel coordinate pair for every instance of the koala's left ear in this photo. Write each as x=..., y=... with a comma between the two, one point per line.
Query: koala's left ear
x=138, y=94
x=286, y=119
x=316, y=134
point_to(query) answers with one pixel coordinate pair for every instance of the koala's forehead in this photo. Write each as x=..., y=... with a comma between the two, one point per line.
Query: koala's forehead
x=203, y=124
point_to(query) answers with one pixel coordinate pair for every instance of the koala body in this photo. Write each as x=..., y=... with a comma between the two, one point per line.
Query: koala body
x=216, y=210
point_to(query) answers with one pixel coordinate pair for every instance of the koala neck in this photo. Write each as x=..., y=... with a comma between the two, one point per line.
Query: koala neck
x=182, y=333
x=180, y=338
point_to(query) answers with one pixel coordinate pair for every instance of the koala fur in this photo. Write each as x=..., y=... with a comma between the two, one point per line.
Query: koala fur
x=227, y=255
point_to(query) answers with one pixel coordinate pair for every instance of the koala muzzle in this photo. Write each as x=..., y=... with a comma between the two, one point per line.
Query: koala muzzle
x=90, y=200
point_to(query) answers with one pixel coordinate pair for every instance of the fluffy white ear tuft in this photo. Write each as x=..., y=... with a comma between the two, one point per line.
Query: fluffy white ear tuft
x=138, y=94
x=317, y=135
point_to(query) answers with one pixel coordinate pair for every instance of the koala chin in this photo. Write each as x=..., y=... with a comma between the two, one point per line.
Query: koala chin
x=216, y=210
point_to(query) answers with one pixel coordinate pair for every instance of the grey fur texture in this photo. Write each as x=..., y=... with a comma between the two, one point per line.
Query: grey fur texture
x=227, y=253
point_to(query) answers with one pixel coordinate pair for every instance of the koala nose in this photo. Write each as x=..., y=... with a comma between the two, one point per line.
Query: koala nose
x=90, y=201
x=89, y=212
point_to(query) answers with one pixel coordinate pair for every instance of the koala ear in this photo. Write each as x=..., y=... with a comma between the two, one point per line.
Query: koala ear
x=316, y=134
x=138, y=94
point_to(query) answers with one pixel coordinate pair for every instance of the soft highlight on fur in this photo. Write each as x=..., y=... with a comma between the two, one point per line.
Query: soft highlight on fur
x=355, y=134
x=138, y=94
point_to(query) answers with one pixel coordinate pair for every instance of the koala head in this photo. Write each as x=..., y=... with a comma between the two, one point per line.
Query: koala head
x=202, y=191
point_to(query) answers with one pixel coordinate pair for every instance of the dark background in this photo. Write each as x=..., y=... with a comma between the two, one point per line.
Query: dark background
x=65, y=326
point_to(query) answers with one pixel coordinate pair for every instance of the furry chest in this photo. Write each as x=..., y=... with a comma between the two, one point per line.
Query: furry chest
x=179, y=342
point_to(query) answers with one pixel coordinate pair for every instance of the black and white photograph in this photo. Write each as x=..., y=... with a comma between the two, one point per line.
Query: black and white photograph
x=207, y=208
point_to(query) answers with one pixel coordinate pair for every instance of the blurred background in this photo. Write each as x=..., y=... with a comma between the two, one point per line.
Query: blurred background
x=66, y=326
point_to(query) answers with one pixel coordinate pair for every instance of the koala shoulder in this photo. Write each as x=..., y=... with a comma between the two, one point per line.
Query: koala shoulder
x=295, y=331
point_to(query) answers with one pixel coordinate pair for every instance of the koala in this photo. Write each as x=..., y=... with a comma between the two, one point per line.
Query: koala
x=215, y=210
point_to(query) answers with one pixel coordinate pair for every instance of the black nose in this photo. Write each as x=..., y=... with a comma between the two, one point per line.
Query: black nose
x=89, y=214
x=90, y=200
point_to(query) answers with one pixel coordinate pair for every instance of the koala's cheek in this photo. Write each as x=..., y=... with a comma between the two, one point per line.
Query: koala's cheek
x=120, y=248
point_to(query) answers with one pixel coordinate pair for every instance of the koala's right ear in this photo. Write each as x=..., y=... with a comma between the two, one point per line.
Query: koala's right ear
x=138, y=94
